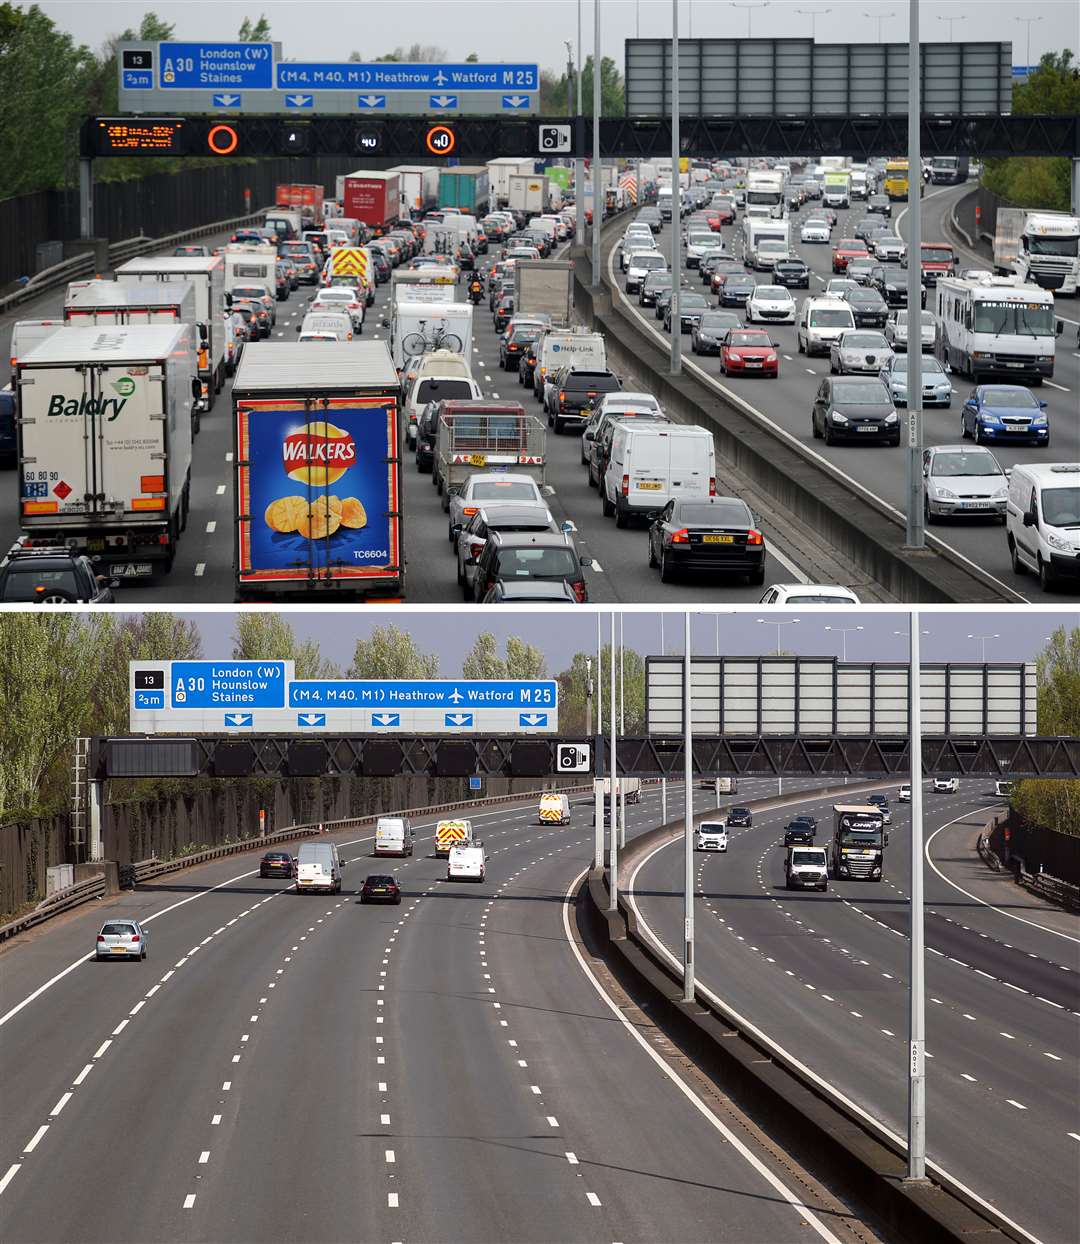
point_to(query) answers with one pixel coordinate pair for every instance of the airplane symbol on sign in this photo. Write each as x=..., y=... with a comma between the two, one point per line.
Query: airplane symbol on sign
x=440, y=78
x=456, y=696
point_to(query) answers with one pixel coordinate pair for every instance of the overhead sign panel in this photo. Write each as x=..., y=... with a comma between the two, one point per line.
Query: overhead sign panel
x=264, y=696
x=820, y=695
x=254, y=78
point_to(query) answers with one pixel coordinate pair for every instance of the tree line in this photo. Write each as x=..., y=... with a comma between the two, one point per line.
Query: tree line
x=65, y=676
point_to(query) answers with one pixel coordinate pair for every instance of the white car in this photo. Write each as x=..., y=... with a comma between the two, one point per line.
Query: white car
x=711, y=836
x=341, y=298
x=627, y=401
x=770, y=304
x=490, y=486
x=964, y=481
x=859, y=350
x=838, y=286
x=121, y=939
x=809, y=594
x=889, y=249
x=946, y=786
x=815, y=231
x=903, y=795
x=641, y=264
x=632, y=246
x=466, y=863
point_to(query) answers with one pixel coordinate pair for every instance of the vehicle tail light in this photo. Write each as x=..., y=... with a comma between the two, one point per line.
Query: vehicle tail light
x=682, y=536
x=712, y=485
x=754, y=537
x=469, y=510
x=626, y=485
x=476, y=548
x=134, y=937
x=100, y=937
x=579, y=590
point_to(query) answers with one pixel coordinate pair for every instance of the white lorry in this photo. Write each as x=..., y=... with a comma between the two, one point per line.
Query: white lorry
x=630, y=787
x=207, y=274
x=419, y=327
x=418, y=189
x=755, y=232
x=500, y=172
x=105, y=426
x=544, y=287
x=533, y=193
x=1042, y=248
x=996, y=328
x=765, y=194
x=90, y=304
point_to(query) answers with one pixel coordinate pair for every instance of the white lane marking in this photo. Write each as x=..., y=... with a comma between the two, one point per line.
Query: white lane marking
x=384, y=1119
x=216, y=1121
x=137, y=1007
x=226, y=1085
x=83, y=1074
x=228, y=456
x=692, y=1097
x=552, y=1121
x=392, y=1200
x=120, y=1027
x=971, y=1079
x=382, y=1086
x=204, y=1157
x=236, y=1058
x=1074, y=1135
x=221, y=490
x=572, y=1159
x=59, y=1105
x=592, y=1198
x=982, y=902
x=200, y=569
x=12, y=1171
x=189, y=1200
x=1055, y=1057
x=102, y=1048
x=152, y=990
x=1017, y=1104
x=35, y=1139
x=211, y=527
x=1060, y=387
x=391, y=1157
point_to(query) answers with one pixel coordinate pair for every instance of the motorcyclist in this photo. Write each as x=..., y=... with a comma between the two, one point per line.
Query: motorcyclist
x=476, y=288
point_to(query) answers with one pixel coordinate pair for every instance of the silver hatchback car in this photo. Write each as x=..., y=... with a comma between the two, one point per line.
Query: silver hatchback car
x=121, y=939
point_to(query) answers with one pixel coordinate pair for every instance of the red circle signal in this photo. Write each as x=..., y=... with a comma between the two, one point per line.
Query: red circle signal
x=440, y=140
x=222, y=139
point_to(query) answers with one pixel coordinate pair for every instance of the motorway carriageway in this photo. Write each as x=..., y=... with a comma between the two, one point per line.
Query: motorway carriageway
x=453, y=1068
x=617, y=567
x=787, y=401
x=827, y=974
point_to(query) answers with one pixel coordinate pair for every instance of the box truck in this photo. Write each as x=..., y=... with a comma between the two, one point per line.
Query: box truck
x=533, y=194
x=373, y=199
x=499, y=172
x=419, y=326
x=90, y=304
x=418, y=189
x=105, y=442
x=465, y=188
x=317, y=471
x=207, y=274
x=544, y=287
x=305, y=198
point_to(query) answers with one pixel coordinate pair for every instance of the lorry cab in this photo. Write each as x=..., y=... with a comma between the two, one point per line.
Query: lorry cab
x=394, y=836
x=554, y=809
x=466, y=863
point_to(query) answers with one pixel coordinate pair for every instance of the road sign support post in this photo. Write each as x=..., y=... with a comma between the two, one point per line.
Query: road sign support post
x=1076, y=187
x=94, y=791
x=676, y=198
x=579, y=163
x=916, y=533
x=663, y=801
x=597, y=189
x=86, y=197
x=916, y=977
x=613, y=866
x=688, y=819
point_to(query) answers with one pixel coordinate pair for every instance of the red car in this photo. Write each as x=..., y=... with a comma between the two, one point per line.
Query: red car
x=718, y=217
x=748, y=352
x=845, y=249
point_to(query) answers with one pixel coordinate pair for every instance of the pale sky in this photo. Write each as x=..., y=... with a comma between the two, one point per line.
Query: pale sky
x=327, y=30
x=1020, y=634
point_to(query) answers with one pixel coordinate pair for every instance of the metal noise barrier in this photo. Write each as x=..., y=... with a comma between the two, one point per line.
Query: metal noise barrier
x=132, y=874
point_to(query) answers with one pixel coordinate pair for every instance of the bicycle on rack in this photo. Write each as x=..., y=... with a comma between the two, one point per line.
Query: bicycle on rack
x=440, y=338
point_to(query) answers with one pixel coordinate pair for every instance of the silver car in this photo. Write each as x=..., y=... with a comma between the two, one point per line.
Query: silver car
x=121, y=939
x=896, y=331
x=859, y=350
x=964, y=482
x=489, y=486
x=936, y=384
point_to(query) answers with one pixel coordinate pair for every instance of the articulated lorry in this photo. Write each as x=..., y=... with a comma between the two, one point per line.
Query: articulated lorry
x=499, y=173
x=305, y=198
x=317, y=471
x=373, y=199
x=1042, y=248
x=533, y=194
x=105, y=425
x=765, y=194
x=857, y=849
x=418, y=189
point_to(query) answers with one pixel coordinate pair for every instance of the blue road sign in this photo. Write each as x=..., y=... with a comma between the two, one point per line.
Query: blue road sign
x=299, y=101
x=308, y=720
x=515, y=101
x=399, y=76
x=476, y=782
x=457, y=719
x=145, y=701
x=216, y=66
x=138, y=80
x=383, y=720
x=370, y=101
x=532, y=719
x=228, y=684
x=450, y=694
x=233, y=720
x=226, y=101
x=439, y=102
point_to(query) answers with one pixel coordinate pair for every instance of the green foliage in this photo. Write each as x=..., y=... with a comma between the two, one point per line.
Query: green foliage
x=554, y=99
x=1056, y=804
x=522, y=660
x=391, y=653
x=417, y=53
x=254, y=32
x=1040, y=182
x=573, y=683
x=268, y=637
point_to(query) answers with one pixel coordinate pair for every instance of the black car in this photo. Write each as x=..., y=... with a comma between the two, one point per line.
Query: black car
x=717, y=534
x=854, y=408
x=651, y=287
x=427, y=432
x=740, y=818
x=868, y=307
x=517, y=557
x=503, y=286
x=736, y=289
x=52, y=576
x=724, y=266
x=709, y=331
x=800, y=831
x=514, y=343
x=380, y=888
x=663, y=297
x=276, y=864
x=651, y=217
x=791, y=273
x=504, y=312
x=879, y=205
x=577, y=392
x=691, y=308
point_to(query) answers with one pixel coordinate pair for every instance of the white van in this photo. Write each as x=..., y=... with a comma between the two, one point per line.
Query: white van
x=820, y=323
x=1042, y=521
x=450, y=834
x=318, y=868
x=335, y=324
x=653, y=461
x=562, y=347
x=554, y=809
x=466, y=863
x=393, y=836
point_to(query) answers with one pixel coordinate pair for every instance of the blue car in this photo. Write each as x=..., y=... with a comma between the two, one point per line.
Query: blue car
x=1005, y=412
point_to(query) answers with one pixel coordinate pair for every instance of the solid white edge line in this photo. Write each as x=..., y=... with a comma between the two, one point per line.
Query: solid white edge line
x=828, y=1089
x=751, y=1159
x=982, y=902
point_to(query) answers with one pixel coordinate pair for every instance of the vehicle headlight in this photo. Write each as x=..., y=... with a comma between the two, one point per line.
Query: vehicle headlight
x=734, y=356
x=1001, y=494
x=770, y=358
x=944, y=493
x=891, y=417
x=1039, y=419
x=988, y=416
x=1058, y=542
x=837, y=417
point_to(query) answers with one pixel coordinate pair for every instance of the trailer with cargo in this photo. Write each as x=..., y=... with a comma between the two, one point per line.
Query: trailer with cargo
x=317, y=481
x=857, y=848
x=373, y=198
x=533, y=194
x=544, y=287
x=418, y=327
x=247, y=264
x=105, y=427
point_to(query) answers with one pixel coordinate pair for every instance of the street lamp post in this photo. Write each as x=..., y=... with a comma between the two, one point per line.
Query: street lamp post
x=613, y=769
x=843, y=632
x=813, y=15
x=622, y=724
x=688, y=822
x=579, y=163
x=916, y=534
x=750, y=7
x=676, y=198
x=917, y=987
x=597, y=189
x=981, y=639
x=778, y=625
x=663, y=780
x=598, y=784
x=1027, y=54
